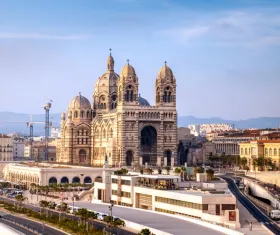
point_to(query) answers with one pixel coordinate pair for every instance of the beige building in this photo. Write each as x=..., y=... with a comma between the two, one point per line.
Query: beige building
x=260, y=148
x=119, y=125
x=45, y=174
x=6, y=148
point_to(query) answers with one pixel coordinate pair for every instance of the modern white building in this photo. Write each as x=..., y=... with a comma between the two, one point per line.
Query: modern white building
x=203, y=129
x=208, y=201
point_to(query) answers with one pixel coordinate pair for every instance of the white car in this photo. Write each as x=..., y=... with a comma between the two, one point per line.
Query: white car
x=101, y=216
x=275, y=214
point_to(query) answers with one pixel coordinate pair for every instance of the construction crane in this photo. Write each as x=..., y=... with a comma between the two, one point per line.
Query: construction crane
x=30, y=125
x=47, y=108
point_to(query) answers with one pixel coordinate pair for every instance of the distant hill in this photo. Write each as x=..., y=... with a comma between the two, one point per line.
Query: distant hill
x=8, y=122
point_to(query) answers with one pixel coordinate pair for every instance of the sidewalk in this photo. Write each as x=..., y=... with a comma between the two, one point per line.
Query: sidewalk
x=246, y=218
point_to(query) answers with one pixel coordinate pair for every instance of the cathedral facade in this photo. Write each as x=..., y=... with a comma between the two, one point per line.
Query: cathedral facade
x=120, y=126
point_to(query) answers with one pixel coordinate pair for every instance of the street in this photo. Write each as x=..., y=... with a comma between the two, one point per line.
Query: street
x=262, y=218
x=95, y=223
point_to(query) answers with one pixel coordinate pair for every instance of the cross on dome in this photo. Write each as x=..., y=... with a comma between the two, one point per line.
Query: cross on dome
x=165, y=63
x=110, y=50
x=127, y=61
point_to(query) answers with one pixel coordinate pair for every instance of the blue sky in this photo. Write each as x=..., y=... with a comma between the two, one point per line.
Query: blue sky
x=224, y=53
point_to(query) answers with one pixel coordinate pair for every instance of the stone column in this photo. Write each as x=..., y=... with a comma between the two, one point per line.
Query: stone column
x=159, y=161
x=140, y=161
x=165, y=161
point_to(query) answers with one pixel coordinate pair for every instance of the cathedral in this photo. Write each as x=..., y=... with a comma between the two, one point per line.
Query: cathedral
x=120, y=127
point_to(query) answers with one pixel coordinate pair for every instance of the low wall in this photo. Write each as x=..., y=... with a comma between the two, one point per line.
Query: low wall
x=268, y=177
x=139, y=227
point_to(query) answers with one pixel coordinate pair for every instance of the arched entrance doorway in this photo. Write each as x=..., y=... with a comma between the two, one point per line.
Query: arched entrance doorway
x=82, y=156
x=149, y=145
x=167, y=155
x=129, y=157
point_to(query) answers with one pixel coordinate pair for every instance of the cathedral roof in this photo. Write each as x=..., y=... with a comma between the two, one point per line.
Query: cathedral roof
x=79, y=102
x=142, y=101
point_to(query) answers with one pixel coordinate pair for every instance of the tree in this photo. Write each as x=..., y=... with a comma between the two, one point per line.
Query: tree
x=159, y=171
x=198, y=170
x=51, y=205
x=167, y=168
x=84, y=214
x=177, y=170
x=145, y=231
x=20, y=199
x=210, y=174
x=149, y=171
x=243, y=162
x=44, y=204
x=141, y=171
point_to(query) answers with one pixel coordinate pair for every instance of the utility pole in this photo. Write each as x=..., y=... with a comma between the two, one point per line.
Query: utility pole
x=47, y=108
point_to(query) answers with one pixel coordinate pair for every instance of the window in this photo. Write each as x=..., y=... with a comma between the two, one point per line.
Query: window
x=241, y=150
x=82, y=114
x=114, y=181
x=129, y=95
x=167, y=98
x=126, y=182
x=179, y=203
x=126, y=194
x=266, y=151
x=270, y=152
x=228, y=207
x=76, y=114
x=275, y=152
x=205, y=207
x=114, y=192
x=246, y=151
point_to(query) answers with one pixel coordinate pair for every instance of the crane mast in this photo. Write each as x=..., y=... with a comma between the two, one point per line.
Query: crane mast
x=47, y=108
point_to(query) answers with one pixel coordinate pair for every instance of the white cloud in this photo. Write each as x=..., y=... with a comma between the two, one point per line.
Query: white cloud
x=248, y=28
x=42, y=36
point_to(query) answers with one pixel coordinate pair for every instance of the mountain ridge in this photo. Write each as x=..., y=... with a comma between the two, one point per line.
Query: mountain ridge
x=16, y=122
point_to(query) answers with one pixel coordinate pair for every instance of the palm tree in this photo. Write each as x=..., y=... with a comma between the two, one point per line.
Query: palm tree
x=84, y=214
x=20, y=199
x=51, y=205
x=43, y=204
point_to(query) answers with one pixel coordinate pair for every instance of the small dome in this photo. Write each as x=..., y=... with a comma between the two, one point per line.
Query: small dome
x=110, y=63
x=127, y=71
x=142, y=101
x=79, y=102
x=165, y=72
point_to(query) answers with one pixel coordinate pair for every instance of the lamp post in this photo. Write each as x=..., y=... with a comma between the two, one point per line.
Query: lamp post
x=111, y=213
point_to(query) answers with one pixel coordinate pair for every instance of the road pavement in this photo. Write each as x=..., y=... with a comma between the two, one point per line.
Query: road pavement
x=262, y=218
x=153, y=220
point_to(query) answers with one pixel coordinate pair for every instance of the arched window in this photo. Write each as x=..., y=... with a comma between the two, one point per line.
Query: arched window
x=102, y=104
x=82, y=155
x=76, y=114
x=104, y=134
x=275, y=152
x=120, y=94
x=266, y=151
x=82, y=114
x=167, y=98
x=113, y=101
x=71, y=114
x=111, y=133
x=246, y=151
x=241, y=150
x=129, y=94
x=88, y=114
x=270, y=152
x=158, y=96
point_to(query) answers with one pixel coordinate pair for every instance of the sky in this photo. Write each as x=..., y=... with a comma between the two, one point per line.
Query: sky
x=223, y=53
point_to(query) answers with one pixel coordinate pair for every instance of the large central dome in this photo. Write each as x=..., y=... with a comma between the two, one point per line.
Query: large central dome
x=79, y=102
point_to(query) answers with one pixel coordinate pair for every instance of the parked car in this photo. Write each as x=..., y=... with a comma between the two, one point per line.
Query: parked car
x=101, y=216
x=275, y=214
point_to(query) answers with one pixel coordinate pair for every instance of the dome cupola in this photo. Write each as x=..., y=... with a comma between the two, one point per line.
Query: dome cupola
x=110, y=62
x=128, y=71
x=79, y=102
x=165, y=72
